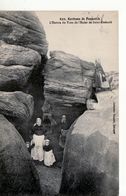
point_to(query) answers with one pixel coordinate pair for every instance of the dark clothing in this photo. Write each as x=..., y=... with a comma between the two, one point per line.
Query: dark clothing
x=47, y=125
x=47, y=121
x=63, y=134
x=64, y=125
x=39, y=130
x=30, y=147
x=103, y=78
x=62, y=138
x=47, y=148
x=47, y=128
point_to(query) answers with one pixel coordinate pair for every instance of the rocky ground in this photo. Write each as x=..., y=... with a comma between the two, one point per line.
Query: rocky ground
x=50, y=179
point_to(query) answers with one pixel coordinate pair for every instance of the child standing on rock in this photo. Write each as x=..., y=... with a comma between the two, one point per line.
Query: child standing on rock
x=49, y=158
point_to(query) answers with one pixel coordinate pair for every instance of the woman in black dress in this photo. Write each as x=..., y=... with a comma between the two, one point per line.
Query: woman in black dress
x=64, y=131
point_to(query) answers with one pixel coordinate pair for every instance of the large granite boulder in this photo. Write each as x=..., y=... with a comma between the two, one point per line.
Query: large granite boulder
x=23, y=29
x=14, y=77
x=22, y=42
x=18, y=55
x=16, y=104
x=91, y=156
x=68, y=83
x=17, y=171
x=23, y=49
x=68, y=78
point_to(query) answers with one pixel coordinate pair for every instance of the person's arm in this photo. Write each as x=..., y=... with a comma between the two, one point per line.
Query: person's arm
x=32, y=144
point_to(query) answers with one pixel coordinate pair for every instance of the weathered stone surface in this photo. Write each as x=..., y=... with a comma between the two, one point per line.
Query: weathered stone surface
x=23, y=49
x=18, y=55
x=24, y=29
x=22, y=43
x=17, y=172
x=17, y=105
x=68, y=79
x=68, y=83
x=14, y=77
x=91, y=154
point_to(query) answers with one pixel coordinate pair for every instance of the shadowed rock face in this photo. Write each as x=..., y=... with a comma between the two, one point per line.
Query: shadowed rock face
x=17, y=172
x=91, y=153
x=68, y=82
x=14, y=77
x=17, y=105
x=23, y=49
x=18, y=55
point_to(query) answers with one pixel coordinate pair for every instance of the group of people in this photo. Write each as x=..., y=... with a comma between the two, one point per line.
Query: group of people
x=40, y=146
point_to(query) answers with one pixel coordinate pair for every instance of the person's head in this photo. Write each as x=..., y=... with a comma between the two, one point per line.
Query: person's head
x=63, y=118
x=47, y=142
x=38, y=121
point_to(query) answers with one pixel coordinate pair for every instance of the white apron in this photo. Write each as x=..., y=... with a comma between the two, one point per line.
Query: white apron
x=49, y=158
x=37, y=152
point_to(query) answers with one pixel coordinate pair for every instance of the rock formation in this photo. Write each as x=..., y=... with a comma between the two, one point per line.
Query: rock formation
x=67, y=85
x=14, y=77
x=23, y=49
x=18, y=55
x=17, y=105
x=17, y=172
x=90, y=164
x=90, y=159
x=113, y=78
x=23, y=29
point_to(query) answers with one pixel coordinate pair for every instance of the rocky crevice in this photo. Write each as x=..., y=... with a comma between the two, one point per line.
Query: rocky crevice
x=23, y=49
x=67, y=85
x=61, y=84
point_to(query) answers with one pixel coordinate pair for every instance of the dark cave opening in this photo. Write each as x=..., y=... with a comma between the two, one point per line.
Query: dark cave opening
x=36, y=87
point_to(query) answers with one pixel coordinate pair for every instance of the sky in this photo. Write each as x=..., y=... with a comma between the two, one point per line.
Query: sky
x=87, y=41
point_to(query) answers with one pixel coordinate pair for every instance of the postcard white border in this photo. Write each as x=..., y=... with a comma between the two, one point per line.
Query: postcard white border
x=79, y=5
